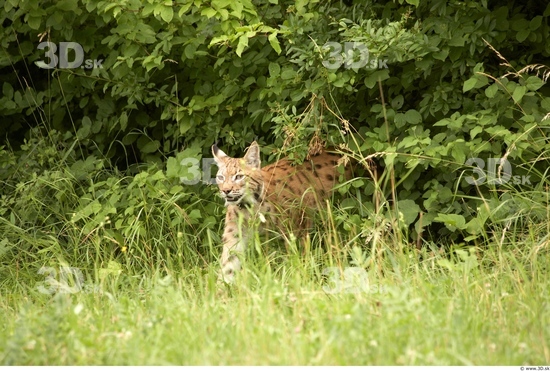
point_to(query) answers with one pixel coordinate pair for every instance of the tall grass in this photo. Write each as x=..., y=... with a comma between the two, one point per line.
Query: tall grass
x=436, y=310
x=100, y=267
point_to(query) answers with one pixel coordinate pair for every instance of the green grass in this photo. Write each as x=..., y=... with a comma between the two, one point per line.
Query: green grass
x=427, y=309
x=148, y=252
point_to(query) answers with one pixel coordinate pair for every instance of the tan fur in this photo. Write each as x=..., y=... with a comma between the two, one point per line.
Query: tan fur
x=281, y=192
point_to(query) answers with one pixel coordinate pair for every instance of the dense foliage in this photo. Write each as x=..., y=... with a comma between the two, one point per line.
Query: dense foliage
x=110, y=228
x=428, y=88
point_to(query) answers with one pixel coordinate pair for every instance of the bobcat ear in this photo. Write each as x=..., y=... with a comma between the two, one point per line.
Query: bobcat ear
x=218, y=153
x=252, y=156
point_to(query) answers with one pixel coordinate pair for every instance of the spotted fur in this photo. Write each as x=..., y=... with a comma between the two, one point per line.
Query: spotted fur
x=281, y=192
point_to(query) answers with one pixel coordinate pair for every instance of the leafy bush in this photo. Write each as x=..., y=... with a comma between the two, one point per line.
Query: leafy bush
x=444, y=82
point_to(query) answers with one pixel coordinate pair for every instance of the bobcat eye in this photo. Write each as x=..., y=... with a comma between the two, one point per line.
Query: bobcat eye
x=220, y=178
x=238, y=177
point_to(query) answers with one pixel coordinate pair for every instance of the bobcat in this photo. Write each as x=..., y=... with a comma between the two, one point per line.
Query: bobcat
x=280, y=191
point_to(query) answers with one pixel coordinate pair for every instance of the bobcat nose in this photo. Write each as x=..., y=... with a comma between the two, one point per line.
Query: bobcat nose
x=226, y=191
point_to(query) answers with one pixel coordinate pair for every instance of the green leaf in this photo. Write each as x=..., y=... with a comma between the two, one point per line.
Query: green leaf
x=150, y=147
x=274, y=69
x=501, y=17
x=409, y=209
x=491, y=90
x=185, y=124
x=167, y=13
x=523, y=34
x=243, y=43
x=249, y=81
x=7, y=90
x=475, y=131
x=452, y=221
x=90, y=209
x=413, y=2
x=67, y=5
x=123, y=121
x=194, y=215
x=397, y=102
x=189, y=51
x=442, y=54
x=518, y=93
x=173, y=168
x=34, y=22
x=457, y=41
x=209, y=12
x=288, y=73
x=535, y=23
x=399, y=120
x=85, y=129
x=184, y=8
x=215, y=100
x=413, y=116
x=474, y=226
x=237, y=9
x=274, y=42
x=372, y=79
x=469, y=84
x=131, y=49
x=534, y=83
x=458, y=154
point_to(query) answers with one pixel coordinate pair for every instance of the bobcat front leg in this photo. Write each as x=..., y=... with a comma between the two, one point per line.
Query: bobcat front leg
x=234, y=243
x=230, y=261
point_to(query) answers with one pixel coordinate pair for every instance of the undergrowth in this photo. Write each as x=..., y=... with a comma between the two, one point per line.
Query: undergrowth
x=102, y=267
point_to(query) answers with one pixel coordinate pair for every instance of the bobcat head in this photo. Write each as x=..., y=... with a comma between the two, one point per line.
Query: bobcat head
x=239, y=179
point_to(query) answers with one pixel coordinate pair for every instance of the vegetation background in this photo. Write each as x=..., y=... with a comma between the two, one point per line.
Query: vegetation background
x=110, y=230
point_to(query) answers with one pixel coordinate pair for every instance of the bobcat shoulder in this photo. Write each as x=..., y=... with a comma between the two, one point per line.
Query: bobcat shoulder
x=278, y=194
